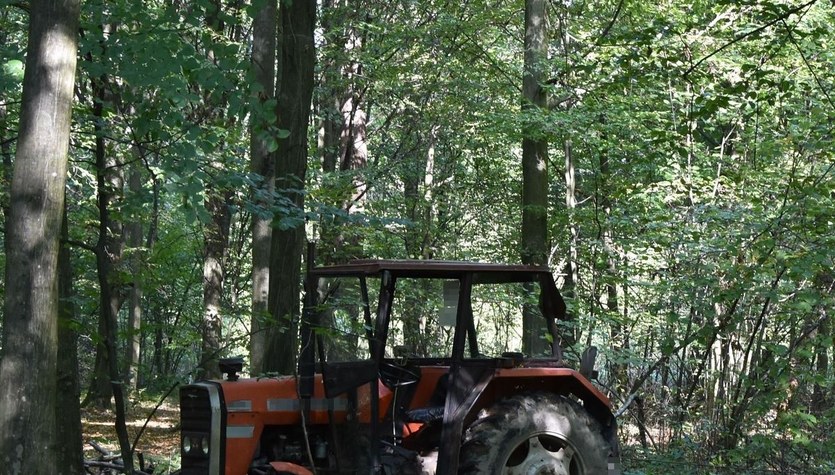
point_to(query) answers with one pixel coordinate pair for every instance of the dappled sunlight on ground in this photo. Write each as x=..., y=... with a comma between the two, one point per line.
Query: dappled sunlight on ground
x=159, y=441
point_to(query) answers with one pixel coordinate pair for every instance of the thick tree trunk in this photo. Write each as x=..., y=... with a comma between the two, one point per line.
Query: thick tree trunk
x=534, y=166
x=30, y=339
x=67, y=407
x=298, y=57
x=263, y=65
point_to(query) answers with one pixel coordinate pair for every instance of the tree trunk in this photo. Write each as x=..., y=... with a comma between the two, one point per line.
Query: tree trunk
x=619, y=340
x=108, y=256
x=295, y=89
x=570, y=271
x=821, y=400
x=67, y=407
x=30, y=339
x=216, y=232
x=5, y=176
x=216, y=240
x=343, y=146
x=263, y=65
x=134, y=334
x=534, y=165
x=109, y=253
x=109, y=250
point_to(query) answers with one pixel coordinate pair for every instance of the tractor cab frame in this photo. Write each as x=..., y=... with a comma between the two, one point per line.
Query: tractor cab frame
x=368, y=401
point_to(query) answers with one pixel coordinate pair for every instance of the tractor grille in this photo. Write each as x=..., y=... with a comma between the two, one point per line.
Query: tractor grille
x=195, y=418
x=195, y=409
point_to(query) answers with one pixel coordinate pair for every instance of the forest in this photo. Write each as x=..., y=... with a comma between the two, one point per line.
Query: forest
x=165, y=163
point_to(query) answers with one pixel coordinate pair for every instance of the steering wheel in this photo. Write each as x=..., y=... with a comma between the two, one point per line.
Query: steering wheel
x=395, y=376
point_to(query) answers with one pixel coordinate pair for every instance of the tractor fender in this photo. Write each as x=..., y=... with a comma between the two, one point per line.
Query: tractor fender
x=564, y=381
x=291, y=468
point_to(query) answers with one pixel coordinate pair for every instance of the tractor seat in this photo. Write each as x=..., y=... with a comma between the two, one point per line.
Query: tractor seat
x=435, y=410
x=425, y=415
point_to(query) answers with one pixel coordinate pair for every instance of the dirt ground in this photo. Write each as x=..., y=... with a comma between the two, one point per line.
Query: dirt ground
x=159, y=442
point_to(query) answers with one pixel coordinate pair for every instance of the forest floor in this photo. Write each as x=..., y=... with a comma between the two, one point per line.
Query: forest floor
x=160, y=440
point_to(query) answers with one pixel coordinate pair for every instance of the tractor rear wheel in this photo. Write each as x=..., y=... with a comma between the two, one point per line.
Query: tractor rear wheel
x=534, y=434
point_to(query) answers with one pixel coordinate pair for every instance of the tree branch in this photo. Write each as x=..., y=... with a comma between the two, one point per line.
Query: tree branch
x=808, y=66
x=745, y=35
x=605, y=31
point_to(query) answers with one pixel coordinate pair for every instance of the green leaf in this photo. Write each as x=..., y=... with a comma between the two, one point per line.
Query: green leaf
x=14, y=69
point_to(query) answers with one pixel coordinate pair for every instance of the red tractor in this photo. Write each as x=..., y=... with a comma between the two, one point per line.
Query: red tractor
x=425, y=384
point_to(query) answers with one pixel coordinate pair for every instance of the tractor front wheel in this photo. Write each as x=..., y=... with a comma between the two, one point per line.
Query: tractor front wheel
x=534, y=434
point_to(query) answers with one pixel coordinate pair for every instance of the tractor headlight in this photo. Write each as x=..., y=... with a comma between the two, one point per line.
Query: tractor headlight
x=187, y=444
x=195, y=445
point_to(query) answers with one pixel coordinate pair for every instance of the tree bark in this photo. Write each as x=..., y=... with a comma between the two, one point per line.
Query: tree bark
x=262, y=162
x=295, y=89
x=534, y=165
x=30, y=337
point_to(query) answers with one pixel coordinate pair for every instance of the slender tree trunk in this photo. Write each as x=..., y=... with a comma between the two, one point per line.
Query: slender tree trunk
x=109, y=250
x=821, y=400
x=159, y=348
x=6, y=175
x=821, y=392
x=109, y=253
x=333, y=87
x=67, y=407
x=134, y=334
x=110, y=303
x=216, y=241
x=263, y=65
x=216, y=232
x=570, y=271
x=619, y=340
x=343, y=131
x=295, y=89
x=30, y=336
x=156, y=318
x=341, y=137
x=412, y=178
x=534, y=165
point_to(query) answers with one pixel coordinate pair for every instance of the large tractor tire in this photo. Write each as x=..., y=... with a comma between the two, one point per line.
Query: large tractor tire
x=534, y=434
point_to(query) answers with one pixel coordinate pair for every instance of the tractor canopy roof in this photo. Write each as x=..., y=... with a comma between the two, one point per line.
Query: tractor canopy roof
x=482, y=272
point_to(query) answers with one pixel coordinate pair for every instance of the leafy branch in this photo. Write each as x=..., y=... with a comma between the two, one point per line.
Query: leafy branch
x=747, y=34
